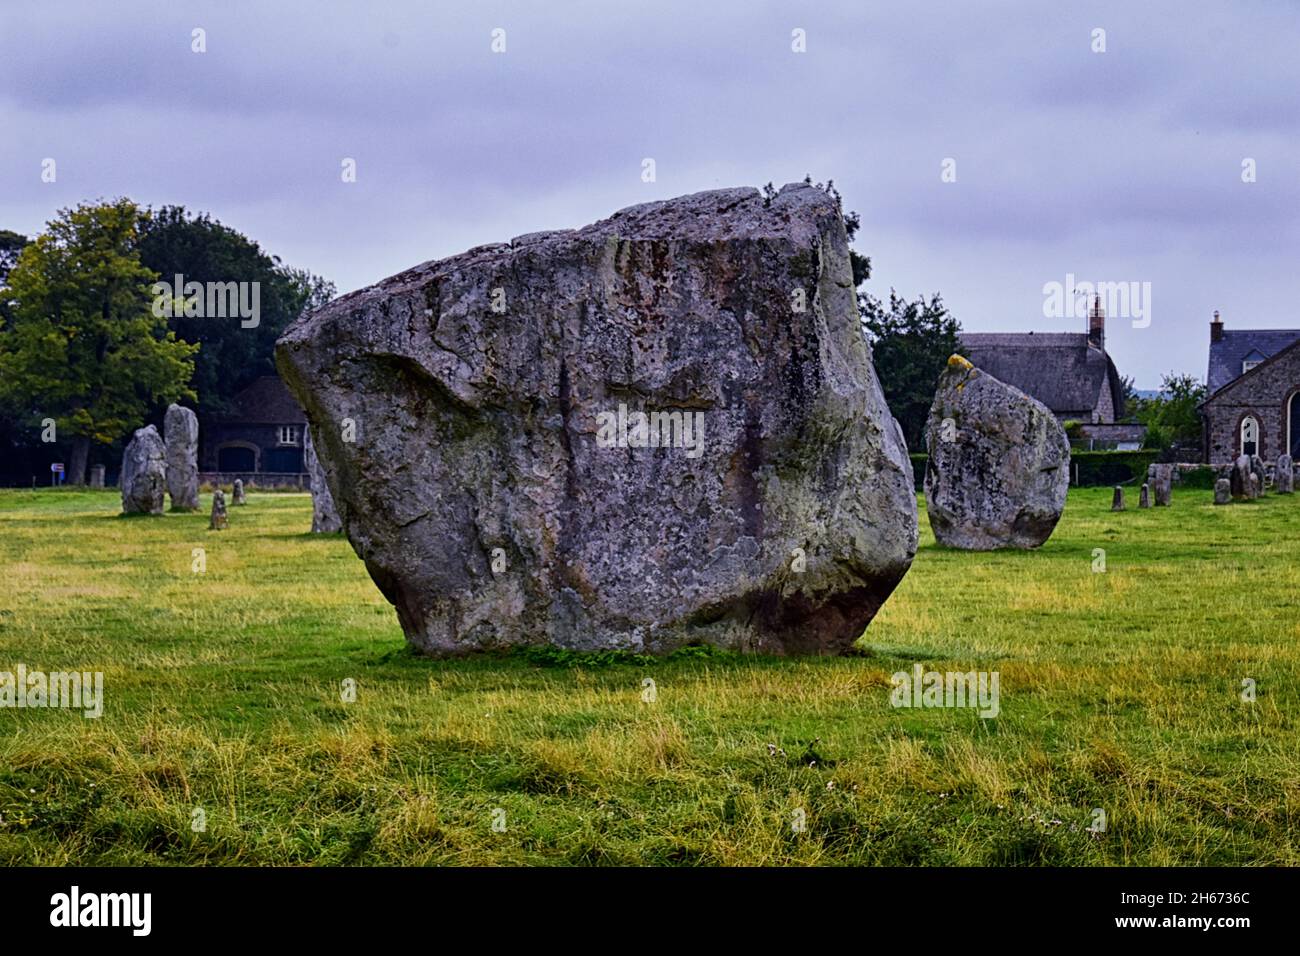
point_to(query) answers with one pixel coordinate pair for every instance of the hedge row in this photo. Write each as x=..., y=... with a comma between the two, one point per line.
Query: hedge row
x=1087, y=468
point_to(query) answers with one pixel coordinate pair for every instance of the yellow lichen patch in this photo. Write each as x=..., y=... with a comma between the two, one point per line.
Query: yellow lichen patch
x=958, y=361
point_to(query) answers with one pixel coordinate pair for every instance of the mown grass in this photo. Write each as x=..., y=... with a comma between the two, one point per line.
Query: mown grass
x=1119, y=690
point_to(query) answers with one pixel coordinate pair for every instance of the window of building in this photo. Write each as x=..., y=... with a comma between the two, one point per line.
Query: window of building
x=1293, y=425
x=1247, y=365
x=1249, y=436
x=289, y=434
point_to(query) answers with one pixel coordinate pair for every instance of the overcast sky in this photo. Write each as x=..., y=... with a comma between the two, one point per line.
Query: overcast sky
x=1125, y=165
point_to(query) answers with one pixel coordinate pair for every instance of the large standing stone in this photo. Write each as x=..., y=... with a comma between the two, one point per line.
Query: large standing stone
x=1117, y=499
x=144, y=473
x=1161, y=479
x=1223, y=492
x=506, y=488
x=324, y=516
x=1284, y=475
x=999, y=463
x=181, y=431
x=237, y=493
x=220, y=520
x=1239, y=477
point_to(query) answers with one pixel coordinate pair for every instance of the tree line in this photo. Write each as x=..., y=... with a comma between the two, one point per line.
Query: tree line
x=83, y=346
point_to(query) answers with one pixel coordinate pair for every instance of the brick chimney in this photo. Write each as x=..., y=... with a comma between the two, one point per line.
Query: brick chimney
x=1216, y=328
x=1097, y=325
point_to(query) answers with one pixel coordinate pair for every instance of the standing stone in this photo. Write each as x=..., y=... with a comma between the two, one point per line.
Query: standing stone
x=1162, y=481
x=144, y=473
x=1239, y=477
x=1223, y=492
x=1144, y=499
x=97, y=476
x=219, y=521
x=181, y=431
x=1255, y=487
x=324, y=516
x=1284, y=475
x=1258, y=470
x=999, y=463
x=507, y=488
x=1117, y=502
x=237, y=493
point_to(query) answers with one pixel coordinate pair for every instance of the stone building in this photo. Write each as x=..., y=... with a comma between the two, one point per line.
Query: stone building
x=1069, y=372
x=1253, y=385
x=260, y=440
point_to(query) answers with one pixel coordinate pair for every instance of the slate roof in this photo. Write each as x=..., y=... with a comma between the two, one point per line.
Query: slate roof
x=1060, y=369
x=1236, y=346
x=266, y=402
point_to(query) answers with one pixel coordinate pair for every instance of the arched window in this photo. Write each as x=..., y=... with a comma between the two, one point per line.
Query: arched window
x=1293, y=425
x=1249, y=436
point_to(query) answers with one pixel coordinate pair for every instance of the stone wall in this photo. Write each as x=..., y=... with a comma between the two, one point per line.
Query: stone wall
x=1263, y=393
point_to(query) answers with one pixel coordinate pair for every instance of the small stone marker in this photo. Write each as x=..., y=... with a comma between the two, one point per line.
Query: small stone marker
x=237, y=496
x=219, y=520
x=1144, y=499
x=97, y=476
x=1117, y=502
x=1257, y=469
x=1284, y=475
x=1163, y=479
x=1254, y=487
x=1223, y=492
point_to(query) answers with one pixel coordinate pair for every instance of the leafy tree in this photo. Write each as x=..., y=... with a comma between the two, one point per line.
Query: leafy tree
x=84, y=346
x=11, y=244
x=1174, y=418
x=911, y=343
x=200, y=249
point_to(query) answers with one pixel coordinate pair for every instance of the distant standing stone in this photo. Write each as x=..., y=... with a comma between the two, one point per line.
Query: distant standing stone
x=1254, y=487
x=219, y=522
x=1162, y=477
x=1117, y=502
x=1258, y=470
x=181, y=439
x=237, y=495
x=144, y=473
x=1239, y=477
x=97, y=476
x=1144, y=499
x=1284, y=475
x=324, y=516
x=1223, y=492
x=998, y=475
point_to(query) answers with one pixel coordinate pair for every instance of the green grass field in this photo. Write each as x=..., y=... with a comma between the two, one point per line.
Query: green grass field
x=1119, y=690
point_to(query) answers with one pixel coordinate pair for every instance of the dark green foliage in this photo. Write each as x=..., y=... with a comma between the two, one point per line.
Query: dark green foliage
x=1111, y=467
x=201, y=249
x=1095, y=468
x=911, y=344
x=1174, y=418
